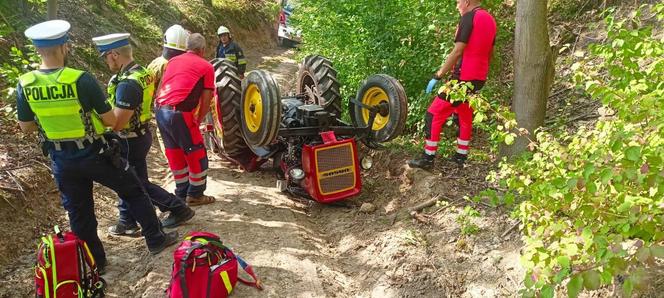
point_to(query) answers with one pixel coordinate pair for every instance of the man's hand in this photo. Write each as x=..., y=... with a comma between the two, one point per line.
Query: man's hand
x=432, y=84
x=122, y=117
x=108, y=118
x=204, y=104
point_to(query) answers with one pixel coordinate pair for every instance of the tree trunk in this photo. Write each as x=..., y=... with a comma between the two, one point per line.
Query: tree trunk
x=533, y=70
x=52, y=9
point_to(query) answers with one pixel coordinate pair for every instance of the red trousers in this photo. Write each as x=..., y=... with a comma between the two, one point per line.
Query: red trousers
x=437, y=115
x=185, y=151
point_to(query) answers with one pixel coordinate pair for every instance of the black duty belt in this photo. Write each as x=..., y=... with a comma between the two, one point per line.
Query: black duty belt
x=73, y=145
x=134, y=134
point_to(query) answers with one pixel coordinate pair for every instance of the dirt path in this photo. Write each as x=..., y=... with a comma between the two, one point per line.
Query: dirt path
x=303, y=249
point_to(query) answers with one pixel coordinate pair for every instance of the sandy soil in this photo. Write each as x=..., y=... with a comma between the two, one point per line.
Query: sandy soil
x=303, y=249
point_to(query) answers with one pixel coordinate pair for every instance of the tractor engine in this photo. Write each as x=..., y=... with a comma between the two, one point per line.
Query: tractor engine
x=324, y=167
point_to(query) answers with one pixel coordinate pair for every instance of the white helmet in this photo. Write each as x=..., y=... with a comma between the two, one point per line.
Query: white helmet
x=175, y=37
x=223, y=30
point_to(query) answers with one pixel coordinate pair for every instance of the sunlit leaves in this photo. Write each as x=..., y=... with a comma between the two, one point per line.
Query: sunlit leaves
x=592, y=205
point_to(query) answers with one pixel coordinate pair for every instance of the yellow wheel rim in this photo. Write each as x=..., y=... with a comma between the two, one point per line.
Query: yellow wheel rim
x=253, y=108
x=373, y=97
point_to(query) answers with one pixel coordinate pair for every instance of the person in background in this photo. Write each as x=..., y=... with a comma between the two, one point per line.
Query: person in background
x=467, y=63
x=69, y=110
x=184, y=99
x=175, y=44
x=130, y=92
x=229, y=49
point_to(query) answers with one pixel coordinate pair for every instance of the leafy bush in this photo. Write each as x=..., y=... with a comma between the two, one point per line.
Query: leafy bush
x=594, y=199
x=407, y=39
x=465, y=221
x=18, y=64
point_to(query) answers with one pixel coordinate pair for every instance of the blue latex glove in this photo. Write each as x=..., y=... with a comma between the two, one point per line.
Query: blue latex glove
x=432, y=83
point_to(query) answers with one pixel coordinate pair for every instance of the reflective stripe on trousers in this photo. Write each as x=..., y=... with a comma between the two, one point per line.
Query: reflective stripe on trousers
x=184, y=150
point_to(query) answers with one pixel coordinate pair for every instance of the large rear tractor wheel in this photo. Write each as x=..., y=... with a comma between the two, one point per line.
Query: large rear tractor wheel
x=318, y=80
x=261, y=108
x=226, y=109
x=386, y=92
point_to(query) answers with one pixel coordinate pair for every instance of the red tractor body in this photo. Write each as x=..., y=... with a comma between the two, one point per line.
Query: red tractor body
x=332, y=170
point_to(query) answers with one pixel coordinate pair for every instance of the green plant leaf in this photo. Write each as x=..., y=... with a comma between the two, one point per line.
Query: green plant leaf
x=643, y=254
x=633, y=153
x=574, y=286
x=591, y=280
x=547, y=292
x=564, y=261
x=509, y=139
x=628, y=287
x=657, y=251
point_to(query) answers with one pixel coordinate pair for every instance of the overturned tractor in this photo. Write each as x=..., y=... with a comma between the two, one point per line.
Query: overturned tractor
x=313, y=150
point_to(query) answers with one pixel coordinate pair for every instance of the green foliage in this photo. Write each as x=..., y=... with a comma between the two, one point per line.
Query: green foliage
x=407, y=39
x=17, y=64
x=594, y=198
x=144, y=24
x=248, y=14
x=465, y=220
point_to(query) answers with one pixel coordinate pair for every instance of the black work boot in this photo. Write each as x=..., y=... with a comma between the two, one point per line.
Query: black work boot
x=170, y=238
x=101, y=266
x=122, y=229
x=176, y=218
x=459, y=159
x=423, y=162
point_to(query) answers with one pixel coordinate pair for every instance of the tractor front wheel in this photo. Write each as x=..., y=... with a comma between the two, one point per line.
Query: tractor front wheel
x=261, y=108
x=384, y=91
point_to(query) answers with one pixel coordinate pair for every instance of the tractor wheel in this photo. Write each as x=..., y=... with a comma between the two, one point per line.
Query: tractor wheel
x=318, y=79
x=386, y=90
x=261, y=108
x=227, y=108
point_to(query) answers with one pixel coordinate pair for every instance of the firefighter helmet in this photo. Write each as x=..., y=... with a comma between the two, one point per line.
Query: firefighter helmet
x=222, y=30
x=175, y=37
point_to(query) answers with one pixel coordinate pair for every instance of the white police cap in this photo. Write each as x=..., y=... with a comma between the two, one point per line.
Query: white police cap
x=111, y=41
x=49, y=33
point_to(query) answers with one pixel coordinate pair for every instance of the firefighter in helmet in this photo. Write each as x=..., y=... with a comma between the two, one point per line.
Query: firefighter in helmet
x=230, y=50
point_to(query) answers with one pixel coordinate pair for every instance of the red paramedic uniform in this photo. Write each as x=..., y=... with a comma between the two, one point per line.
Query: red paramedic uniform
x=185, y=78
x=477, y=29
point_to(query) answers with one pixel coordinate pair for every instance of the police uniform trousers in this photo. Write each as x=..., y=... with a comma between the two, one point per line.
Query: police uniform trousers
x=136, y=150
x=185, y=150
x=75, y=177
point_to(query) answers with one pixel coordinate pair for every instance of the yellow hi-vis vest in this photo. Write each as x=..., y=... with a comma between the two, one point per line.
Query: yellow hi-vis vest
x=145, y=79
x=53, y=97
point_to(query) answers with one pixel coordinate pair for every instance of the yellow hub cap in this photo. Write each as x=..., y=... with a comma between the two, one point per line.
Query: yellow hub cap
x=253, y=108
x=373, y=97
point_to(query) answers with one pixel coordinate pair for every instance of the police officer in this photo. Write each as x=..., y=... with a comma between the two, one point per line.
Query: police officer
x=130, y=93
x=467, y=63
x=69, y=110
x=230, y=50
